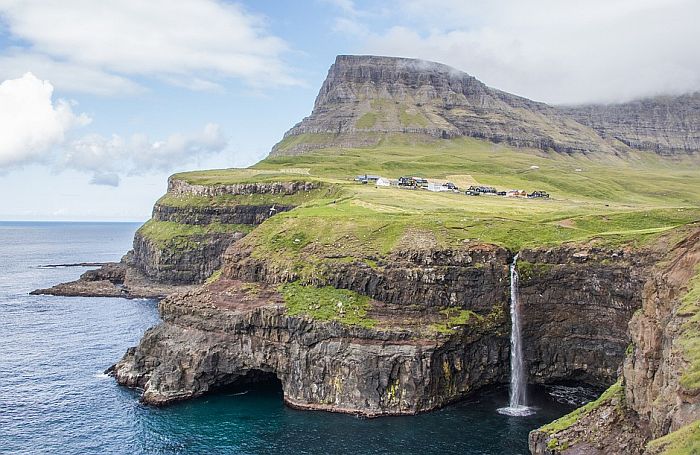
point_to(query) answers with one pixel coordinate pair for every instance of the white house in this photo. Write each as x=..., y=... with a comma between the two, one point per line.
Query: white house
x=381, y=181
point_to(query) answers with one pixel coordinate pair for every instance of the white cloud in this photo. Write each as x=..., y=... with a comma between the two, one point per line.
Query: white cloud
x=552, y=50
x=106, y=179
x=30, y=123
x=35, y=130
x=107, y=157
x=67, y=76
x=197, y=43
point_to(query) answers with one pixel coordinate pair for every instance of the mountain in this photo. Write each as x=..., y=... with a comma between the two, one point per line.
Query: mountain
x=365, y=98
x=667, y=125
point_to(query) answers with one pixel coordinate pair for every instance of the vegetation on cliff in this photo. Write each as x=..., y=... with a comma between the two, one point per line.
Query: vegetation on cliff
x=690, y=336
x=614, y=391
x=178, y=236
x=327, y=304
x=684, y=441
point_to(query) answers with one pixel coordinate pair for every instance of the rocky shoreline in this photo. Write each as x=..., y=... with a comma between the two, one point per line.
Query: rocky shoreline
x=113, y=279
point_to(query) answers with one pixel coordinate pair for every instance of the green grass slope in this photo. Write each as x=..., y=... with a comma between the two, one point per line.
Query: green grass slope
x=612, y=200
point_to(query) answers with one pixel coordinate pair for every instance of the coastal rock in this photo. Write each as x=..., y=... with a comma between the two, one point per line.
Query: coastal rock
x=114, y=279
x=237, y=214
x=565, y=293
x=239, y=327
x=181, y=187
x=174, y=264
x=219, y=335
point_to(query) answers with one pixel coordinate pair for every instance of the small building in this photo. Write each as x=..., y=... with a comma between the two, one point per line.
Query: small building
x=450, y=186
x=381, y=181
x=421, y=182
x=486, y=190
x=516, y=193
x=442, y=187
x=538, y=194
x=367, y=178
x=408, y=182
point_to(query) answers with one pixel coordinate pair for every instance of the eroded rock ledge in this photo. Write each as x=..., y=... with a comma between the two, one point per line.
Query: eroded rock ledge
x=114, y=279
x=211, y=337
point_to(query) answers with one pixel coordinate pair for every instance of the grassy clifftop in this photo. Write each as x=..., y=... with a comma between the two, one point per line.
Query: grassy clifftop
x=614, y=200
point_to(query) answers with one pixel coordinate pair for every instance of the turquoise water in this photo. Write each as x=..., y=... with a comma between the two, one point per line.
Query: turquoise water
x=55, y=399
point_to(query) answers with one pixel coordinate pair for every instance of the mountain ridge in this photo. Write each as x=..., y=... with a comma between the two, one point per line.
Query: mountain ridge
x=365, y=98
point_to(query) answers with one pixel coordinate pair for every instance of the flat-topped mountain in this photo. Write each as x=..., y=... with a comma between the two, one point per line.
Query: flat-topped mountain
x=366, y=98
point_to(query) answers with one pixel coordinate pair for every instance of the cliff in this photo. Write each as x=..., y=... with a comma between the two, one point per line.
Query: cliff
x=433, y=327
x=183, y=242
x=656, y=405
x=390, y=300
x=365, y=99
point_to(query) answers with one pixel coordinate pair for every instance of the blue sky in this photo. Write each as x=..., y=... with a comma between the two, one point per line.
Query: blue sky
x=101, y=101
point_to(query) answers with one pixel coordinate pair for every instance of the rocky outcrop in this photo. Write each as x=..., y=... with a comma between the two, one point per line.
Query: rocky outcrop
x=364, y=98
x=187, y=257
x=231, y=330
x=476, y=278
x=115, y=279
x=652, y=400
x=565, y=293
x=667, y=125
x=239, y=327
x=174, y=263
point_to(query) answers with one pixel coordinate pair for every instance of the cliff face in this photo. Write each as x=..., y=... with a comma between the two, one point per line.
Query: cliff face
x=667, y=125
x=414, y=357
x=199, y=227
x=565, y=294
x=365, y=97
x=169, y=263
x=657, y=403
x=232, y=331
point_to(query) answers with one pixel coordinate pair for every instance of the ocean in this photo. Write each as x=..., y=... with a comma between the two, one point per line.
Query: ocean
x=55, y=399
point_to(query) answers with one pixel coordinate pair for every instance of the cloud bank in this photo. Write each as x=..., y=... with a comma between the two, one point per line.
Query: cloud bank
x=35, y=129
x=103, y=47
x=549, y=50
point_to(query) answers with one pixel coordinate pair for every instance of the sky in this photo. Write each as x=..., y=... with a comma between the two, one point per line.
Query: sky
x=101, y=101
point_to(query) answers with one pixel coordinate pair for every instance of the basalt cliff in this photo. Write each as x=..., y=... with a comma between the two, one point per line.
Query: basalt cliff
x=654, y=408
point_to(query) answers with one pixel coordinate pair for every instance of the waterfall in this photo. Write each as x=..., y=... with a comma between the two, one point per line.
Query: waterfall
x=518, y=384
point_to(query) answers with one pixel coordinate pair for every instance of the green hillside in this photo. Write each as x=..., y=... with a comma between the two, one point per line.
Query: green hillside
x=609, y=200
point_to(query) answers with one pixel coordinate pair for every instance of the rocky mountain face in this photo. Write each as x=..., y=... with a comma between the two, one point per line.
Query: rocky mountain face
x=366, y=98
x=667, y=125
x=657, y=394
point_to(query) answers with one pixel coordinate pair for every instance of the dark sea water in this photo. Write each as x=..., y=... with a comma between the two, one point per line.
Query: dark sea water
x=54, y=398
